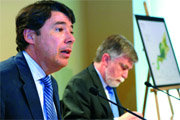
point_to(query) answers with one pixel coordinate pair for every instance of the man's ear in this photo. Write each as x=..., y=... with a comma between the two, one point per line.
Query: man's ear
x=106, y=58
x=29, y=36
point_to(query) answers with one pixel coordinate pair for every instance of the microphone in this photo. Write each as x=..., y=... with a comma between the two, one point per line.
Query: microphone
x=149, y=85
x=95, y=92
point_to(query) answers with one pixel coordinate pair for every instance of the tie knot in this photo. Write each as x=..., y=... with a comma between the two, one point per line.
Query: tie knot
x=110, y=89
x=46, y=80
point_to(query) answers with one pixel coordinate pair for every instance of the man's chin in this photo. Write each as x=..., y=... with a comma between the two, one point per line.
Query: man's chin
x=116, y=84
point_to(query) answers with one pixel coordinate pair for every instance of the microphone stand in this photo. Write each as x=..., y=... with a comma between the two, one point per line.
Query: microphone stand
x=149, y=85
x=97, y=94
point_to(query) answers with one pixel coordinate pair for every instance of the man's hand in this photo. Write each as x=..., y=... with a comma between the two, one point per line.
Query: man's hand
x=128, y=116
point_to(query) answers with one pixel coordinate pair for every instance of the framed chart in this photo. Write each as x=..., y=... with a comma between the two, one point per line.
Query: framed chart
x=159, y=51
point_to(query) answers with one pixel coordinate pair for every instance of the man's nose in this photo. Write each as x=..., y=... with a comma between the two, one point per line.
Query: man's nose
x=125, y=74
x=69, y=38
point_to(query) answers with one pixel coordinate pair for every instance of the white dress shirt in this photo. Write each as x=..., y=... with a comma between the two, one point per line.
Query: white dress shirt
x=37, y=74
x=104, y=86
x=103, y=83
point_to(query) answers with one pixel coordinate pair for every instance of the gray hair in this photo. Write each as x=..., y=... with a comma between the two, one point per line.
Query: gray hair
x=116, y=45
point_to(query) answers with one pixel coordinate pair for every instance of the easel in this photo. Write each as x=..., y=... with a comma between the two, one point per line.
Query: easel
x=156, y=98
x=161, y=88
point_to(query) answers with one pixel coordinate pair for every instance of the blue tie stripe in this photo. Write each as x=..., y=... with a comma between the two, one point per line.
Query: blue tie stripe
x=48, y=99
x=114, y=108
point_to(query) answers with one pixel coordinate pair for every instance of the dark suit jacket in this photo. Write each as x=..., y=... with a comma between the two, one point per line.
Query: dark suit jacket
x=78, y=103
x=18, y=94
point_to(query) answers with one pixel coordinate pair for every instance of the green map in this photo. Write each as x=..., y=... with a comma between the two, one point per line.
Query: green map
x=164, y=49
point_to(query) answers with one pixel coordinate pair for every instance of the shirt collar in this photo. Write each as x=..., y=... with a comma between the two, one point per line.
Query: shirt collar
x=36, y=70
x=102, y=80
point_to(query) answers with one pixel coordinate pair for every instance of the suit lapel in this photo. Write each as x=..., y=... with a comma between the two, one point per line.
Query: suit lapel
x=97, y=83
x=56, y=98
x=29, y=87
x=121, y=111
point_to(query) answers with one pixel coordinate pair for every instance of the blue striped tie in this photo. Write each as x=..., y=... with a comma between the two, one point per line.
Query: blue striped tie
x=114, y=108
x=48, y=99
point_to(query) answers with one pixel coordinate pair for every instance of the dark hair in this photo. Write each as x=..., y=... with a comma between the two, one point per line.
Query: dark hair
x=34, y=16
x=116, y=45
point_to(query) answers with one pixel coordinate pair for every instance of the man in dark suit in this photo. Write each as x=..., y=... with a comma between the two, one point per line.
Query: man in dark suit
x=44, y=42
x=114, y=58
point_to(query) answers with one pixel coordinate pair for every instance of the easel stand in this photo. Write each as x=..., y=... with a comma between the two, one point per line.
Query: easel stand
x=161, y=88
x=156, y=97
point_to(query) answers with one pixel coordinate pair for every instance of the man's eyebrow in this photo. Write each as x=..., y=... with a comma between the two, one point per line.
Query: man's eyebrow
x=124, y=66
x=59, y=22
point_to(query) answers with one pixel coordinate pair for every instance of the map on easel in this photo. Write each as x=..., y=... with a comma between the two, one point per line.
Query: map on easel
x=159, y=51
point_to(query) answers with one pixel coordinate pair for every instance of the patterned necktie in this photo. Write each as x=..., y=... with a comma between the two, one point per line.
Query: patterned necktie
x=114, y=108
x=48, y=99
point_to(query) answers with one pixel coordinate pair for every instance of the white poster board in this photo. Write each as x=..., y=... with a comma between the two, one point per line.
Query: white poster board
x=159, y=51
